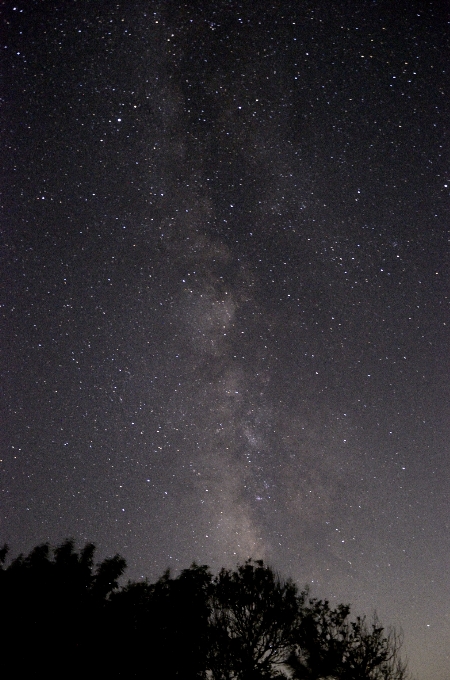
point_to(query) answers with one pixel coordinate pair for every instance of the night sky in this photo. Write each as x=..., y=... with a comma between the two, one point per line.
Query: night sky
x=225, y=293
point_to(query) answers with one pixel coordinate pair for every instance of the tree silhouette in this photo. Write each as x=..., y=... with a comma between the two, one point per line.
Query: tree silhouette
x=329, y=646
x=253, y=617
x=64, y=616
x=52, y=605
x=167, y=620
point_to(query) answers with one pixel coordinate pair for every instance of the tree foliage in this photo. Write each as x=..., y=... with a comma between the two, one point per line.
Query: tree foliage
x=53, y=607
x=62, y=615
x=253, y=618
x=330, y=646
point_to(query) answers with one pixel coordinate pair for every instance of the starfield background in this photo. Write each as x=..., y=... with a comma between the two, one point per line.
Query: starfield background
x=225, y=293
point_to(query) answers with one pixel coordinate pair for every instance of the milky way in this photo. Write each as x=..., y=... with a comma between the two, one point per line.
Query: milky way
x=226, y=292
